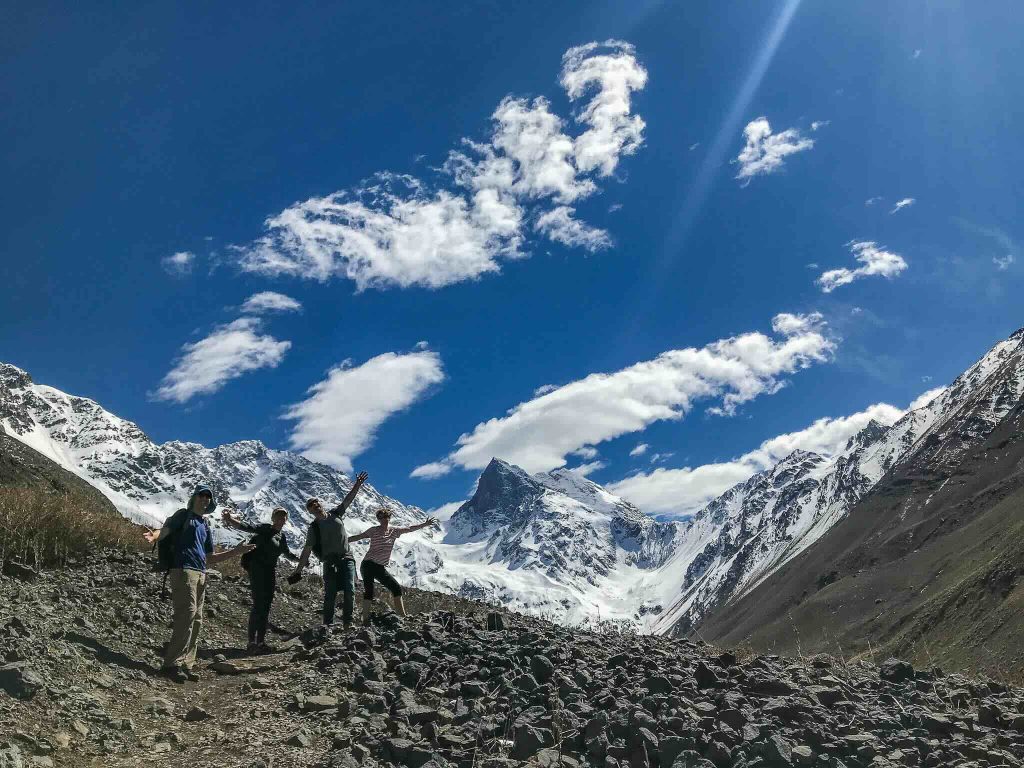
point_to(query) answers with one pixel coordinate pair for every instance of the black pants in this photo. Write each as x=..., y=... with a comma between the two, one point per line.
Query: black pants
x=339, y=574
x=262, y=582
x=371, y=571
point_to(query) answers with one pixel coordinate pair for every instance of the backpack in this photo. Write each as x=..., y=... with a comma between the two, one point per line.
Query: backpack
x=246, y=560
x=167, y=547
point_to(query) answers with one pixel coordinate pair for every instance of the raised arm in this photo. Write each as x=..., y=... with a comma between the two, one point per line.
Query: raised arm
x=340, y=509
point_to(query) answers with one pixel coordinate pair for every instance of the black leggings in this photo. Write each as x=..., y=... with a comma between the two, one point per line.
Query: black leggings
x=261, y=583
x=370, y=570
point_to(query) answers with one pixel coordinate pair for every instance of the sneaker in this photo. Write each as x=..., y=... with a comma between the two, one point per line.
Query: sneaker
x=192, y=674
x=175, y=674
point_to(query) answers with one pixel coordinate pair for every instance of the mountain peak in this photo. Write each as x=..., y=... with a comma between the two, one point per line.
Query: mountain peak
x=1018, y=334
x=12, y=377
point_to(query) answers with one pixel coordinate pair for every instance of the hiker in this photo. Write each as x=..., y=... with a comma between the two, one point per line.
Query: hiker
x=271, y=543
x=374, y=566
x=186, y=547
x=328, y=540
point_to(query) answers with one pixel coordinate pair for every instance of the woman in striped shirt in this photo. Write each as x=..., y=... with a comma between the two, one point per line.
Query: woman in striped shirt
x=374, y=566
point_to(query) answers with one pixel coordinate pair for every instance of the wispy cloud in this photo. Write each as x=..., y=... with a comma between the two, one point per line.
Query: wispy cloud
x=694, y=145
x=402, y=231
x=540, y=433
x=685, y=490
x=819, y=124
x=230, y=351
x=873, y=200
x=340, y=417
x=765, y=151
x=269, y=301
x=916, y=54
x=1003, y=263
x=559, y=225
x=178, y=264
x=906, y=202
x=875, y=260
x=639, y=450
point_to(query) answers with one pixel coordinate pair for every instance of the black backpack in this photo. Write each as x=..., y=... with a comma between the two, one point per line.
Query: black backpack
x=167, y=547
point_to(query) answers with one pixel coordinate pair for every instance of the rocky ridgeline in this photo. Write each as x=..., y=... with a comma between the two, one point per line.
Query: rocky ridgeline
x=451, y=685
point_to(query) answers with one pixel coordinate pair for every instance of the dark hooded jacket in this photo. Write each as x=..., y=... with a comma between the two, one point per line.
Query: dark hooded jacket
x=194, y=537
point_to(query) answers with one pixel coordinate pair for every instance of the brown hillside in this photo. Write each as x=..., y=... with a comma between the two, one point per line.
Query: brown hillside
x=927, y=566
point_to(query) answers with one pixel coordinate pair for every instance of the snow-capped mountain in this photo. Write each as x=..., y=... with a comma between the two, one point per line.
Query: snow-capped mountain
x=554, y=544
x=147, y=481
x=748, y=533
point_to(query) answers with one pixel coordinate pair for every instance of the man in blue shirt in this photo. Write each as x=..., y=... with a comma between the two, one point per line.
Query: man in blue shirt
x=193, y=549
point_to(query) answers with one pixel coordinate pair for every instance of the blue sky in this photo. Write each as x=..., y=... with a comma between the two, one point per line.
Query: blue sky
x=623, y=225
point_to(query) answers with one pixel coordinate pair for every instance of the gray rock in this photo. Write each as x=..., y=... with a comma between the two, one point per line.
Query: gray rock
x=20, y=681
x=896, y=671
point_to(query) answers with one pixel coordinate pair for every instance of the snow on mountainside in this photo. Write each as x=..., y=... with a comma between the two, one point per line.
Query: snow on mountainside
x=147, y=481
x=756, y=527
x=553, y=544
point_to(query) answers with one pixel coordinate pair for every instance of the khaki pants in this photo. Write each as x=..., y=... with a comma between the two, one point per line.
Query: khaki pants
x=188, y=591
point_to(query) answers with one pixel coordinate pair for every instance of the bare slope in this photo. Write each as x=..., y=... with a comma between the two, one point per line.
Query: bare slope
x=927, y=565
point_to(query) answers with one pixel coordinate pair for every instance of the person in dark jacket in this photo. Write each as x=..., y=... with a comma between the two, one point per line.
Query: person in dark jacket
x=193, y=550
x=328, y=540
x=271, y=543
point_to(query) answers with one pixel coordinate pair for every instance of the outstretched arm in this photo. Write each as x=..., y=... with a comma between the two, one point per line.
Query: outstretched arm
x=340, y=509
x=364, y=535
x=233, y=522
x=241, y=549
x=429, y=521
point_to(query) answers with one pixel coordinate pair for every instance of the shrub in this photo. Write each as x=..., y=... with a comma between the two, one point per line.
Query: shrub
x=43, y=528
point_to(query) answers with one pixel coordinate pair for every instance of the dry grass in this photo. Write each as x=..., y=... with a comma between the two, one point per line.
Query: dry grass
x=42, y=528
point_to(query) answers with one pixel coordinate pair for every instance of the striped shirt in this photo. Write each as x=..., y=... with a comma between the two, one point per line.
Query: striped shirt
x=382, y=542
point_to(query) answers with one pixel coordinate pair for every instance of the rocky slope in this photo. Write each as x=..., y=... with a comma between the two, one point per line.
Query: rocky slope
x=928, y=563
x=79, y=647
x=21, y=466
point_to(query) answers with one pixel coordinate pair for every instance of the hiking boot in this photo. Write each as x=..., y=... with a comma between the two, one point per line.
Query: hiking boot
x=192, y=674
x=264, y=648
x=252, y=649
x=174, y=674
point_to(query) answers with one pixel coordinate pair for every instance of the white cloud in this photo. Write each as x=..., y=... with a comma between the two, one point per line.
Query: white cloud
x=445, y=511
x=588, y=468
x=1003, y=263
x=819, y=124
x=926, y=397
x=400, y=231
x=685, y=490
x=340, y=417
x=586, y=452
x=906, y=202
x=269, y=301
x=791, y=325
x=639, y=449
x=694, y=146
x=916, y=54
x=872, y=200
x=559, y=225
x=178, y=264
x=659, y=457
x=876, y=261
x=540, y=433
x=544, y=389
x=228, y=352
x=432, y=470
x=765, y=151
